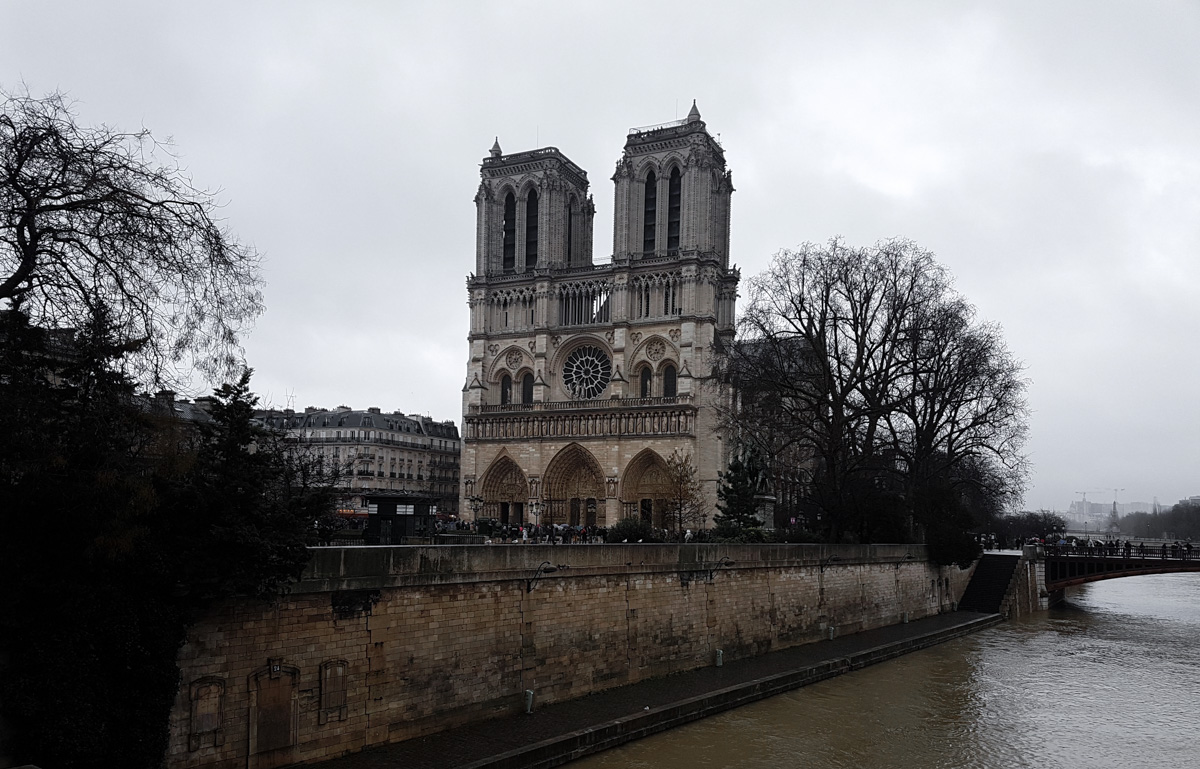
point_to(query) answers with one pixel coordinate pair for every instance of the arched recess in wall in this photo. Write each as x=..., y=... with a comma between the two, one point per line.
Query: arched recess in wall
x=274, y=721
x=573, y=487
x=646, y=488
x=505, y=491
x=506, y=374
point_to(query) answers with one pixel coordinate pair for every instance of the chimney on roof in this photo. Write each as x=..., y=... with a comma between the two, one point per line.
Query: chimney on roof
x=373, y=409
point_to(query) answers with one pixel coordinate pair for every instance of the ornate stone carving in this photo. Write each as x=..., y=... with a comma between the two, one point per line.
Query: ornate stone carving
x=655, y=349
x=554, y=340
x=635, y=337
x=532, y=345
x=674, y=334
x=609, y=336
x=493, y=348
x=610, y=486
x=513, y=359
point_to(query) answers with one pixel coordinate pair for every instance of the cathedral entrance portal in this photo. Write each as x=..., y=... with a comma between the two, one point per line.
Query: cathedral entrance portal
x=574, y=488
x=646, y=489
x=505, y=491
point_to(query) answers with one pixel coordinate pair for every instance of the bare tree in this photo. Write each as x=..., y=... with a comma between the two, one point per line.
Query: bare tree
x=863, y=368
x=98, y=221
x=686, y=501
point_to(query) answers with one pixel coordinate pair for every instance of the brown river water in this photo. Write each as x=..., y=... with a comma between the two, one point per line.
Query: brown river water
x=1109, y=679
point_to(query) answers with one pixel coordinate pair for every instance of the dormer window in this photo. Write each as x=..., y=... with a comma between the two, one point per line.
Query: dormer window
x=650, y=214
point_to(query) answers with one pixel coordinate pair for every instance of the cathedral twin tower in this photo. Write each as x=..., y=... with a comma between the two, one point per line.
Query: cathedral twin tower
x=584, y=378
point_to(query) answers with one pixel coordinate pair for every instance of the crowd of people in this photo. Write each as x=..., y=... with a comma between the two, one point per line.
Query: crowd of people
x=1116, y=547
x=557, y=533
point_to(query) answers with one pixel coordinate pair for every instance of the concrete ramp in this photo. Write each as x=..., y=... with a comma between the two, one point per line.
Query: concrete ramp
x=989, y=585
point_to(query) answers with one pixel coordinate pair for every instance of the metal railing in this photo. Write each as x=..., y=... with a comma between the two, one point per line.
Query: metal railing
x=1178, y=551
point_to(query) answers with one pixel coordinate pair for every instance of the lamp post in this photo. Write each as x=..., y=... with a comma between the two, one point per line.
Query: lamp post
x=476, y=503
x=535, y=509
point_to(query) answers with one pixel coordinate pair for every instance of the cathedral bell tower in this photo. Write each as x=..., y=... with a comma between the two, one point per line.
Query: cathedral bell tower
x=672, y=193
x=532, y=211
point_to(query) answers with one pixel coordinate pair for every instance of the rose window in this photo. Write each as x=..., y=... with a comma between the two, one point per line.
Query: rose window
x=587, y=372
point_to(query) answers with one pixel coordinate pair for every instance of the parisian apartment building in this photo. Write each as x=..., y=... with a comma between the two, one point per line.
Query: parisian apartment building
x=392, y=461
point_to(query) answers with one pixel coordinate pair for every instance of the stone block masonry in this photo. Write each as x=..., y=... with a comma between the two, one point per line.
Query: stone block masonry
x=384, y=644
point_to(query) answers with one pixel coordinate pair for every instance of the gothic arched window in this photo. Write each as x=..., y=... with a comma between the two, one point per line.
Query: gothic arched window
x=669, y=383
x=527, y=389
x=531, y=230
x=674, y=197
x=644, y=380
x=510, y=233
x=505, y=390
x=570, y=230
x=650, y=213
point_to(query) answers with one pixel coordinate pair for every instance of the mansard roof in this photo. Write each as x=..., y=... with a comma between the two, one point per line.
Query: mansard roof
x=371, y=418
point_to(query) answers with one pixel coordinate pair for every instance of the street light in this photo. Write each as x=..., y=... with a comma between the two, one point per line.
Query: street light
x=545, y=568
x=535, y=509
x=476, y=503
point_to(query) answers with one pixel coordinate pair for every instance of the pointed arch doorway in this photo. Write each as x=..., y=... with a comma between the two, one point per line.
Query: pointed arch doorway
x=646, y=489
x=574, y=488
x=505, y=491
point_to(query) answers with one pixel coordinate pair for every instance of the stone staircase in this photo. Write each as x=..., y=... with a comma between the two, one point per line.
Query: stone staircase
x=989, y=584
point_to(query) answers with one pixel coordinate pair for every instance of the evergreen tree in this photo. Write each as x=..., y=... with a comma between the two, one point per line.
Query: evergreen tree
x=121, y=526
x=736, y=494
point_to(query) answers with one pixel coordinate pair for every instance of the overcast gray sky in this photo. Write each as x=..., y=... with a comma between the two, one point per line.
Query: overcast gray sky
x=1047, y=152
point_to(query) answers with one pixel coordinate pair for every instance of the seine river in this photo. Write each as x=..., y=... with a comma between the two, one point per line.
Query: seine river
x=1110, y=679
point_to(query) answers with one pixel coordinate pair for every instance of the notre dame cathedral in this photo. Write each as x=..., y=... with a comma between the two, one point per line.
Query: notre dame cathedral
x=584, y=377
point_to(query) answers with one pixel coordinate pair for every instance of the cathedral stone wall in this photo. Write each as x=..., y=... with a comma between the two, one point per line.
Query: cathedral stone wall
x=384, y=644
x=585, y=379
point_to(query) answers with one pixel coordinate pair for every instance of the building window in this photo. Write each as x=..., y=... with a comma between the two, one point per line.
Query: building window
x=531, y=230
x=333, y=691
x=505, y=390
x=669, y=384
x=645, y=382
x=570, y=230
x=587, y=372
x=650, y=213
x=674, y=196
x=510, y=233
x=527, y=389
x=207, y=700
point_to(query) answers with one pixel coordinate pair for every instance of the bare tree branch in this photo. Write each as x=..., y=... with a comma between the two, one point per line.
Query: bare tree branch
x=90, y=217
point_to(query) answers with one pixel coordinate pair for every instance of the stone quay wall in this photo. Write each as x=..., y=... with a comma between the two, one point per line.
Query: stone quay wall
x=381, y=644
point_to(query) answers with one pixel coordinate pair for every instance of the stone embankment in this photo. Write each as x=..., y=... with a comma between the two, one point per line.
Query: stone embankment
x=387, y=644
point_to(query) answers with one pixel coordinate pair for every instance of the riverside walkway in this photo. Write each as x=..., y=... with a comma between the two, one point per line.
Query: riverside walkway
x=558, y=733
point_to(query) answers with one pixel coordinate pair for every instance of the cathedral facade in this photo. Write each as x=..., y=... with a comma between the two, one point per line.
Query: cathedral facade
x=583, y=377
